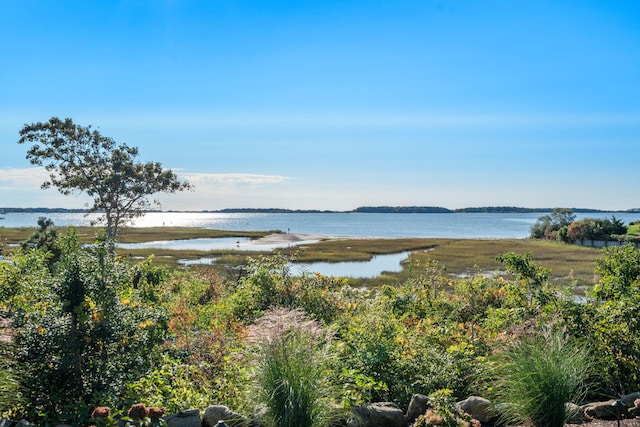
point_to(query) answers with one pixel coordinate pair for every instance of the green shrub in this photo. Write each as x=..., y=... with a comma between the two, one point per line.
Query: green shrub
x=95, y=334
x=403, y=352
x=537, y=377
x=444, y=413
x=615, y=324
x=269, y=283
x=173, y=385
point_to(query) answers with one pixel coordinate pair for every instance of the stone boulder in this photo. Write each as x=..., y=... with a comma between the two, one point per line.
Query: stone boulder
x=629, y=399
x=215, y=413
x=606, y=411
x=190, y=418
x=381, y=414
x=601, y=410
x=479, y=408
x=575, y=414
x=418, y=406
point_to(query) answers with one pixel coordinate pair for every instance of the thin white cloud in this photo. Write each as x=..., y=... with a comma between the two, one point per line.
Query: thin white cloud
x=34, y=177
x=232, y=179
x=22, y=177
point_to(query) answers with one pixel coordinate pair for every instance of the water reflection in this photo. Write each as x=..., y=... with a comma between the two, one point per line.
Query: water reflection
x=361, y=269
x=364, y=269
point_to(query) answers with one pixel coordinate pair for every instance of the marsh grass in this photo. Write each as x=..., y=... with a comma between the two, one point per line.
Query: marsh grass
x=353, y=250
x=538, y=376
x=569, y=264
x=134, y=234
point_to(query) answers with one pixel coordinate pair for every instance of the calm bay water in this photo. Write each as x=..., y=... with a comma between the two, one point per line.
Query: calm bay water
x=447, y=225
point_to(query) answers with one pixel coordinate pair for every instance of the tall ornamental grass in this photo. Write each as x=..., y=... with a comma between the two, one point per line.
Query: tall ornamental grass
x=291, y=378
x=538, y=376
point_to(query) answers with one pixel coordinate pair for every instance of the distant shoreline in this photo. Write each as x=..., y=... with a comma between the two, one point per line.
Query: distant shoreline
x=364, y=209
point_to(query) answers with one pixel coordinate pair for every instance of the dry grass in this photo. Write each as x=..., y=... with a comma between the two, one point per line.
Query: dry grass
x=464, y=256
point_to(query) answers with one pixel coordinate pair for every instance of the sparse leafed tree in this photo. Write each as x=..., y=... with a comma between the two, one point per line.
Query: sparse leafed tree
x=547, y=226
x=80, y=159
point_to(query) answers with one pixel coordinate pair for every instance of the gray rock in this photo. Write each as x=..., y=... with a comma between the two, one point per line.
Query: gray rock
x=629, y=399
x=215, y=413
x=575, y=414
x=190, y=418
x=382, y=414
x=418, y=406
x=479, y=408
x=605, y=410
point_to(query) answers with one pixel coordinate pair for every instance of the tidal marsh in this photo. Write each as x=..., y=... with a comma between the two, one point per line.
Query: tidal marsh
x=568, y=263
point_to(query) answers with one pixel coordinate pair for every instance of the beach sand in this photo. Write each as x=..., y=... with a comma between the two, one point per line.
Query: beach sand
x=290, y=238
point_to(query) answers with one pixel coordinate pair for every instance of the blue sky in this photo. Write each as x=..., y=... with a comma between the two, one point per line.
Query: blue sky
x=336, y=104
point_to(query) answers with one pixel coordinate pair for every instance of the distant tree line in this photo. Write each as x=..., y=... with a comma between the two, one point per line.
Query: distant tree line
x=362, y=209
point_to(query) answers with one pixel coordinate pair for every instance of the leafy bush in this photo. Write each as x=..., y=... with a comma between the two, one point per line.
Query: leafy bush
x=615, y=324
x=444, y=413
x=595, y=229
x=549, y=226
x=537, y=376
x=173, y=385
x=269, y=283
x=405, y=352
x=95, y=334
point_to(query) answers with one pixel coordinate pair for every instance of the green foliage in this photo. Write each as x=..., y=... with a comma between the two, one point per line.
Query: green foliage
x=81, y=159
x=291, y=359
x=548, y=226
x=596, y=229
x=538, y=375
x=10, y=393
x=45, y=239
x=615, y=324
x=444, y=413
x=25, y=283
x=410, y=341
x=94, y=334
x=269, y=283
x=619, y=269
x=174, y=385
x=533, y=277
x=95, y=317
x=358, y=388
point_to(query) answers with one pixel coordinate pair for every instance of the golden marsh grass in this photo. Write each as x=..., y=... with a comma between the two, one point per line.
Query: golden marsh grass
x=457, y=256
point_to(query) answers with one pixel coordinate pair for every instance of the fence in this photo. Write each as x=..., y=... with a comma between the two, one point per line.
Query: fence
x=603, y=243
